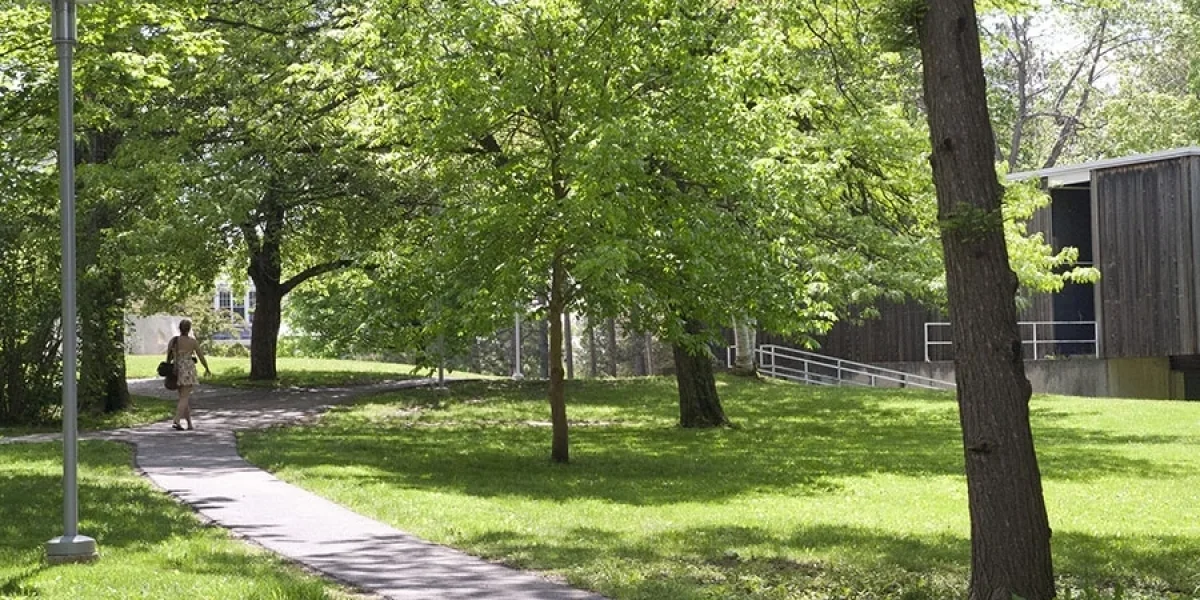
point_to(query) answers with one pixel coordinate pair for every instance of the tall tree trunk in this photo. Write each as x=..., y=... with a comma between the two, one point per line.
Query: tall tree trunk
x=1070, y=125
x=1023, y=54
x=264, y=331
x=570, y=345
x=543, y=346
x=559, y=449
x=593, y=363
x=699, y=404
x=517, y=371
x=266, y=271
x=611, y=346
x=102, y=385
x=473, y=358
x=649, y=354
x=637, y=354
x=743, y=338
x=1010, y=533
x=13, y=401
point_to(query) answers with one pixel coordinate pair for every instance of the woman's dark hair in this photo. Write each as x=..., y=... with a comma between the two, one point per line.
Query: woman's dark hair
x=185, y=326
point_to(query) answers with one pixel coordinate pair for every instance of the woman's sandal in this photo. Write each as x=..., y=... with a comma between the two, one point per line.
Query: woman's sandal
x=177, y=427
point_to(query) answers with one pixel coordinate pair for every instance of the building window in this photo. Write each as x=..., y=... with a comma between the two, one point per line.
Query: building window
x=250, y=299
x=224, y=299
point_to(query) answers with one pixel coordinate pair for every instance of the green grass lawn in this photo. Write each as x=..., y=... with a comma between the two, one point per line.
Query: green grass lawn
x=151, y=547
x=293, y=372
x=233, y=372
x=143, y=410
x=820, y=493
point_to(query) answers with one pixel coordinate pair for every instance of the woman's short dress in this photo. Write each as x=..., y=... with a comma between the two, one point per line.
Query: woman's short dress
x=185, y=370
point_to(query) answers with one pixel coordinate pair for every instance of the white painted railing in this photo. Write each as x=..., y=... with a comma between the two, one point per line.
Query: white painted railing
x=938, y=334
x=817, y=369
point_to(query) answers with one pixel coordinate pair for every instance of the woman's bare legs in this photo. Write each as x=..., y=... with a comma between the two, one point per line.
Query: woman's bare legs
x=183, y=410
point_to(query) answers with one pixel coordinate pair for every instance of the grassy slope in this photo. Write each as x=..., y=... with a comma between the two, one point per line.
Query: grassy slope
x=822, y=493
x=151, y=547
x=304, y=372
x=232, y=372
x=144, y=410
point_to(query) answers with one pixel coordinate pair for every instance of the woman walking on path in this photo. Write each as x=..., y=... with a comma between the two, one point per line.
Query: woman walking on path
x=180, y=350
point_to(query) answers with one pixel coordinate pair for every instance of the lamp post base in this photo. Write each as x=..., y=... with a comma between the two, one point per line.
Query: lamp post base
x=77, y=549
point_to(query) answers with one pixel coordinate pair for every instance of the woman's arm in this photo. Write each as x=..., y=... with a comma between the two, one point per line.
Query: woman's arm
x=171, y=348
x=203, y=361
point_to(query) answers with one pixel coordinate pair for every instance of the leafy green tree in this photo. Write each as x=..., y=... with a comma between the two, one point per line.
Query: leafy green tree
x=127, y=55
x=683, y=161
x=281, y=169
x=29, y=270
x=125, y=52
x=29, y=256
x=546, y=121
x=1154, y=103
x=614, y=157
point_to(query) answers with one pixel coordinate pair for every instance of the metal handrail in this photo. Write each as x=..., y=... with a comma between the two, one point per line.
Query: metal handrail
x=840, y=371
x=1035, y=342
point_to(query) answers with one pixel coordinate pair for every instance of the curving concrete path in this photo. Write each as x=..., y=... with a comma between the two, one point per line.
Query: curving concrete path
x=202, y=468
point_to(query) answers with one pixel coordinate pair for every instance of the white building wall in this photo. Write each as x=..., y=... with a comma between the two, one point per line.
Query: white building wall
x=150, y=334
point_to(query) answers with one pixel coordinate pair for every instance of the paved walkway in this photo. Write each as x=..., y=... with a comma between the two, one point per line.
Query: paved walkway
x=203, y=469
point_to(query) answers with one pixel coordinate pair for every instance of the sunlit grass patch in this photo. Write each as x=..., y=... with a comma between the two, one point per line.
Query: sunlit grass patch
x=142, y=410
x=817, y=493
x=293, y=372
x=150, y=546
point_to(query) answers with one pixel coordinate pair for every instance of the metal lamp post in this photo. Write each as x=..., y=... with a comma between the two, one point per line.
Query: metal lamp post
x=70, y=546
x=516, y=374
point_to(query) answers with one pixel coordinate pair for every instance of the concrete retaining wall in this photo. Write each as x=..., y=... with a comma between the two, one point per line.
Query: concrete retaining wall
x=1096, y=377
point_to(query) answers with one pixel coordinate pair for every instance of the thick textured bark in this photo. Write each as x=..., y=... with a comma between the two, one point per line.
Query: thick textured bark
x=559, y=450
x=264, y=332
x=611, y=346
x=1010, y=533
x=699, y=404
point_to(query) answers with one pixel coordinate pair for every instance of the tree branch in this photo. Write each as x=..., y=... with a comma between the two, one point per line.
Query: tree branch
x=215, y=20
x=315, y=271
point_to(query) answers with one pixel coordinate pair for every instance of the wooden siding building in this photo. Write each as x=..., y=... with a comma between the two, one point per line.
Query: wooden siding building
x=1137, y=219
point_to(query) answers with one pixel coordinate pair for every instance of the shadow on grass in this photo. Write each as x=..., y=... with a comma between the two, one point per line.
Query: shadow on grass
x=793, y=439
x=266, y=572
x=116, y=512
x=237, y=377
x=142, y=410
x=874, y=563
x=18, y=585
x=151, y=547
